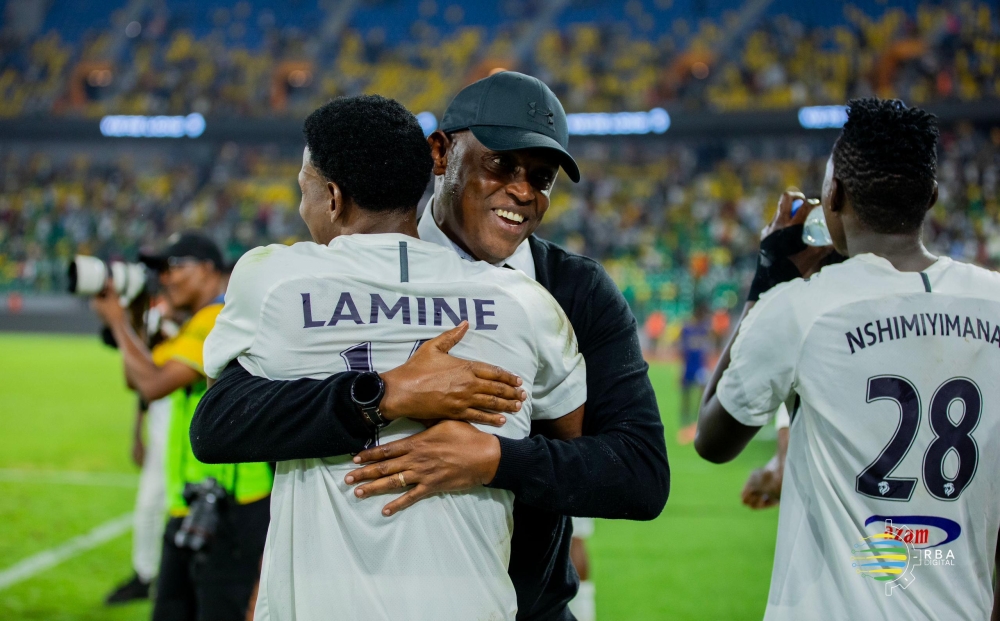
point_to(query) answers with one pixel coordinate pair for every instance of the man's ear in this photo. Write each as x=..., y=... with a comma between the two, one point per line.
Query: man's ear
x=837, y=197
x=336, y=202
x=934, y=197
x=440, y=146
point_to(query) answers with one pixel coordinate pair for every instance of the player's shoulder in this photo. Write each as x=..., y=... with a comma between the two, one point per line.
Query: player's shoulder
x=274, y=261
x=833, y=283
x=525, y=288
x=959, y=278
x=805, y=299
x=273, y=253
x=508, y=283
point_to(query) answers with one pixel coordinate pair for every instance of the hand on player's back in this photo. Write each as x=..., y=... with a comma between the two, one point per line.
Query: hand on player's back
x=434, y=385
x=763, y=488
x=448, y=457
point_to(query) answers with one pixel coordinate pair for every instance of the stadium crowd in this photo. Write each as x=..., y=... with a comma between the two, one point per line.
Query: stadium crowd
x=672, y=224
x=53, y=207
x=236, y=60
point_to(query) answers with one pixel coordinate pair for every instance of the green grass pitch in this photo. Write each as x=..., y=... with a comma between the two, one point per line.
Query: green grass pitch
x=63, y=407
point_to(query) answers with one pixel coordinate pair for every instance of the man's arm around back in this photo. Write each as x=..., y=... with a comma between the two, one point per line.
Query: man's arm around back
x=618, y=468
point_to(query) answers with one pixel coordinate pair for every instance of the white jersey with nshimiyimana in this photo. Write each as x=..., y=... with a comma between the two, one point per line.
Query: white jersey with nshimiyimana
x=890, y=504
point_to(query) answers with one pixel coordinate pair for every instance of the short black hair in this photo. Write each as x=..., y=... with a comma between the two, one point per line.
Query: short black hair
x=373, y=148
x=886, y=158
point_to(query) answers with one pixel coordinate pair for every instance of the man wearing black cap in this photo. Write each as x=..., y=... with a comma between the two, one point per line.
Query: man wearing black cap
x=216, y=582
x=496, y=157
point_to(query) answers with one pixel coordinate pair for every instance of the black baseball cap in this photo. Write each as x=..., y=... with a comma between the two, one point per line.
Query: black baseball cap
x=509, y=111
x=189, y=244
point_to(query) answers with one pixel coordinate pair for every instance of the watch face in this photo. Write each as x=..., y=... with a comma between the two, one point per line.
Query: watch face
x=367, y=389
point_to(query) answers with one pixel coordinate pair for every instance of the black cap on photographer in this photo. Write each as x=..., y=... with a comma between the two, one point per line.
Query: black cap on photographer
x=509, y=111
x=186, y=245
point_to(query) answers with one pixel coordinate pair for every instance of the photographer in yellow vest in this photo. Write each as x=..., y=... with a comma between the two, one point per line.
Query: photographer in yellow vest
x=219, y=513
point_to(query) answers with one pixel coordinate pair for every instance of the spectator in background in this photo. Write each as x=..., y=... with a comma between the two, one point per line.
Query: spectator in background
x=696, y=342
x=654, y=328
x=215, y=582
x=150, y=504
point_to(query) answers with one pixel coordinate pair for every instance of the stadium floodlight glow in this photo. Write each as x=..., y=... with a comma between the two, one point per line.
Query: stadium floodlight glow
x=124, y=126
x=823, y=117
x=656, y=121
x=428, y=122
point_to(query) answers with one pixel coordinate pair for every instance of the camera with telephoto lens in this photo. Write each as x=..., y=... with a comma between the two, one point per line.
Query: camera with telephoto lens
x=206, y=501
x=88, y=276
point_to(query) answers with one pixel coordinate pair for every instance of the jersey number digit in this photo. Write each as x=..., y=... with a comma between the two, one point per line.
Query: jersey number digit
x=952, y=437
x=359, y=357
x=875, y=481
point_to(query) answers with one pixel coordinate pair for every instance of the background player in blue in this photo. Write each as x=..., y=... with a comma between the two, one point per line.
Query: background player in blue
x=695, y=346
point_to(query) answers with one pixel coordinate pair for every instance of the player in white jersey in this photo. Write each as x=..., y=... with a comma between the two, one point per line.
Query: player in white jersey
x=890, y=506
x=363, y=298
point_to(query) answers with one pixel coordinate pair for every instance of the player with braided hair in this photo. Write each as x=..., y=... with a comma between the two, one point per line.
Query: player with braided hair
x=888, y=361
x=886, y=159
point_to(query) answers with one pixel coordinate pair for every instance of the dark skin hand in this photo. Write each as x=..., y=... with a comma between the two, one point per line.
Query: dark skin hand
x=431, y=385
x=721, y=437
x=434, y=385
x=141, y=373
x=188, y=286
x=763, y=489
x=450, y=456
x=472, y=184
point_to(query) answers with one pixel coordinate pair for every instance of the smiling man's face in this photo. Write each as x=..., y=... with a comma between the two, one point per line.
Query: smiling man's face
x=489, y=202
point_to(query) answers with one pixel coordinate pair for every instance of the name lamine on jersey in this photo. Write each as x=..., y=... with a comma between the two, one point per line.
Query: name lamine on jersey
x=346, y=310
x=921, y=324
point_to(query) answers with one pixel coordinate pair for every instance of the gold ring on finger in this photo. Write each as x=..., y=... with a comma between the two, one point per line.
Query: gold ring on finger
x=402, y=481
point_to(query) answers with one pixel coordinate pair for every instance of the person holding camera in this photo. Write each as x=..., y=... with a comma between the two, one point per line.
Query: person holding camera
x=219, y=513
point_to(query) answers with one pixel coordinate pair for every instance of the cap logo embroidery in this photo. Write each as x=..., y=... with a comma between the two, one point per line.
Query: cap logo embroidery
x=533, y=109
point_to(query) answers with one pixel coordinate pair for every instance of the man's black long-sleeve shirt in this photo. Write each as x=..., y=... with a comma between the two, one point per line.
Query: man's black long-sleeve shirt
x=618, y=469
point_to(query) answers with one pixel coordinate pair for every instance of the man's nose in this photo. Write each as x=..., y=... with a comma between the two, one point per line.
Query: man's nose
x=521, y=191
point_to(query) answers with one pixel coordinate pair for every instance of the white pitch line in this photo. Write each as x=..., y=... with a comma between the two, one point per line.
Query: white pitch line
x=47, y=559
x=68, y=477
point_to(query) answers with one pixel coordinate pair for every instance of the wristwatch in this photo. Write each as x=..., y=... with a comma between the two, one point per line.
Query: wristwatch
x=366, y=393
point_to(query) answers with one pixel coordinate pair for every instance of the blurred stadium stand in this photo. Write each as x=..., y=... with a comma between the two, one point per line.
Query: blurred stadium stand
x=273, y=58
x=672, y=216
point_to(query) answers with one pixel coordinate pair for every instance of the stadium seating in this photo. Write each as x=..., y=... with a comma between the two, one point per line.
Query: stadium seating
x=274, y=58
x=672, y=221
x=671, y=225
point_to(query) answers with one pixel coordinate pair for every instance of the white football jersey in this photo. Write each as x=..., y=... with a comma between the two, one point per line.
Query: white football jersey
x=366, y=302
x=891, y=499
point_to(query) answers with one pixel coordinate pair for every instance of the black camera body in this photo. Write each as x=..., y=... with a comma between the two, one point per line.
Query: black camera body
x=206, y=501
